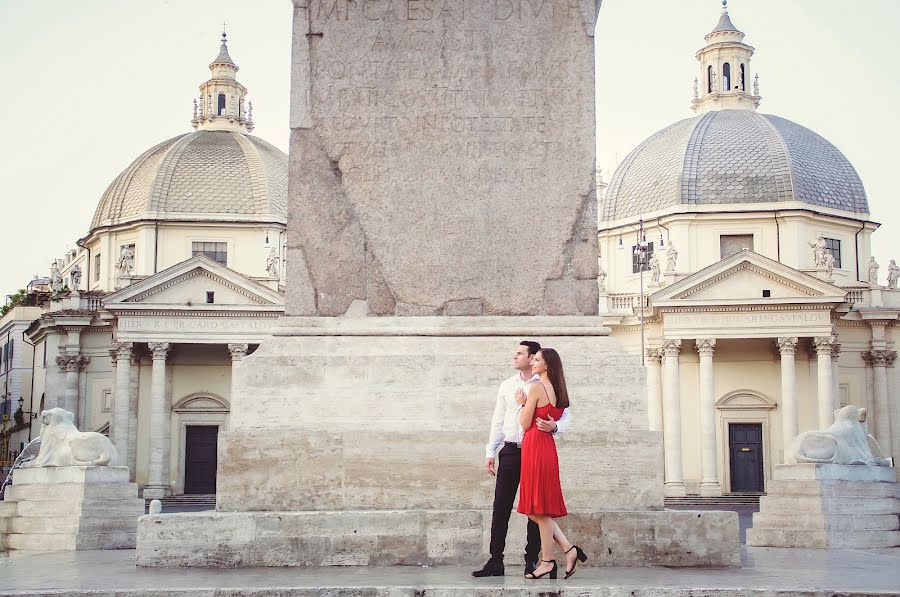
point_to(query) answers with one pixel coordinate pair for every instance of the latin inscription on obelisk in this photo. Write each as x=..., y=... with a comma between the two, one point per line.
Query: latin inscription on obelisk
x=442, y=158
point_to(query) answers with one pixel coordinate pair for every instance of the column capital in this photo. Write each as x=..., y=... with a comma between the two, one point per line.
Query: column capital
x=654, y=355
x=824, y=345
x=158, y=349
x=120, y=351
x=671, y=348
x=705, y=346
x=787, y=345
x=71, y=363
x=238, y=351
x=880, y=358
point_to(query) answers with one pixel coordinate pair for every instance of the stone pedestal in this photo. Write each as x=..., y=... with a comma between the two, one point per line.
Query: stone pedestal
x=72, y=508
x=360, y=441
x=829, y=505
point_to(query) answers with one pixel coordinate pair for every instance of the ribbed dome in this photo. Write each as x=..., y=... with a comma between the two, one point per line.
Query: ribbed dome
x=733, y=156
x=210, y=175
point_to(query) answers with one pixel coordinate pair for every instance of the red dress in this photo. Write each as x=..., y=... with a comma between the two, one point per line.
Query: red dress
x=539, y=489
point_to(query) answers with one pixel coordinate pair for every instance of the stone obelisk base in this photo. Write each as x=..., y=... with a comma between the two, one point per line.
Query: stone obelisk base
x=361, y=442
x=829, y=505
x=72, y=508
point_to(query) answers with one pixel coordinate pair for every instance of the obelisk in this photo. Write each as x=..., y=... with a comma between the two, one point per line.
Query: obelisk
x=442, y=209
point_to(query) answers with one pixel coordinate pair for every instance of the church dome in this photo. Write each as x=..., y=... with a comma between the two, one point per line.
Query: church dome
x=208, y=174
x=728, y=157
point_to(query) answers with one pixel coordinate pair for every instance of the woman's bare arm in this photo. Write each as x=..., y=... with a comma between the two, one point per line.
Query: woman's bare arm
x=534, y=394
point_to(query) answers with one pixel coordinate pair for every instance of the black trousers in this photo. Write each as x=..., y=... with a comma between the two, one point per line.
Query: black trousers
x=509, y=467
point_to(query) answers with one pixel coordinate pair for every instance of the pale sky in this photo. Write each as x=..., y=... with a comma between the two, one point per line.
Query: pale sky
x=88, y=85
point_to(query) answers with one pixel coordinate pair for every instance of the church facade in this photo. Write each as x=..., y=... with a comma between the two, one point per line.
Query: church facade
x=735, y=256
x=180, y=275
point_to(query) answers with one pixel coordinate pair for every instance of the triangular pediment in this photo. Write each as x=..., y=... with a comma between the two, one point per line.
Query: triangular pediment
x=187, y=284
x=744, y=278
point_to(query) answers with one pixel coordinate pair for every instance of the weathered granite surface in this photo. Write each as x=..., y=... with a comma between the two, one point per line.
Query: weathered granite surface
x=443, y=154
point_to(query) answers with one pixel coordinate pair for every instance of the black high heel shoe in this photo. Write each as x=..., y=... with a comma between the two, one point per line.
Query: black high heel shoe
x=580, y=556
x=552, y=572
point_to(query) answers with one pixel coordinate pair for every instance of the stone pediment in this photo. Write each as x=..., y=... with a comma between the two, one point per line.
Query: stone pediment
x=741, y=279
x=186, y=285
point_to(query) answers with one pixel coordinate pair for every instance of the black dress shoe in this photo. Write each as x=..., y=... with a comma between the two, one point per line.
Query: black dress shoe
x=492, y=568
x=529, y=566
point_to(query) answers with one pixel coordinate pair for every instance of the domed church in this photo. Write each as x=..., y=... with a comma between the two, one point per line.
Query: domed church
x=180, y=275
x=735, y=256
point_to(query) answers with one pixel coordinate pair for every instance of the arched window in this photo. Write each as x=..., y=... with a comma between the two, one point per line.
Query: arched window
x=743, y=78
x=221, y=111
x=709, y=79
x=726, y=77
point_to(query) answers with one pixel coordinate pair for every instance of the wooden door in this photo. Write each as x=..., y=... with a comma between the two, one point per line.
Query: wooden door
x=200, y=459
x=745, y=450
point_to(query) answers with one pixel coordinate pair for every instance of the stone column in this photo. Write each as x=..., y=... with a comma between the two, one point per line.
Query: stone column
x=709, y=474
x=121, y=399
x=879, y=360
x=653, y=363
x=672, y=420
x=156, y=482
x=823, y=346
x=72, y=365
x=836, y=376
x=238, y=352
x=134, y=384
x=790, y=427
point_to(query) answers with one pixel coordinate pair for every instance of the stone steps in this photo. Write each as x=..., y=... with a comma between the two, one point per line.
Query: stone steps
x=804, y=537
x=789, y=504
x=70, y=491
x=847, y=522
x=829, y=488
x=71, y=541
x=71, y=524
x=91, y=507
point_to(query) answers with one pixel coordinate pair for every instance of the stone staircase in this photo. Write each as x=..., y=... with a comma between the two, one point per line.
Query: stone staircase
x=192, y=500
x=722, y=501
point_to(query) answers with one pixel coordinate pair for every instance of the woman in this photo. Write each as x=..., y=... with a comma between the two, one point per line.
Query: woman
x=540, y=495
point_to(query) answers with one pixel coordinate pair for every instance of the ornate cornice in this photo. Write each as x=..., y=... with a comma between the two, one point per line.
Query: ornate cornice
x=745, y=265
x=197, y=271
x=743, y=308
x=204, y=313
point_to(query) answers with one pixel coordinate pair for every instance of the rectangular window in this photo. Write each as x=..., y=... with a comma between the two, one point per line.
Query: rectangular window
x=216, y=251
x=729, y=244
x=97, y=267
x=210, y=297
x=634, y=258
x=834, y=245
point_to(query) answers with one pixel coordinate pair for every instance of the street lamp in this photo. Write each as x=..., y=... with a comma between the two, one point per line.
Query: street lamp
x=22, y=412
x=640, y=253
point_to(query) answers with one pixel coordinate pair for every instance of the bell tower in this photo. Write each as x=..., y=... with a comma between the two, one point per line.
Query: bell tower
x=221, y=105
x=724, y=81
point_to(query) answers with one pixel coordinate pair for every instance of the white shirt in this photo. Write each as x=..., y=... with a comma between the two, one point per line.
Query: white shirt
x=505, y=422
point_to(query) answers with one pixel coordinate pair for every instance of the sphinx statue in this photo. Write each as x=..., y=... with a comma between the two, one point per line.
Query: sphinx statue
x=845, y=442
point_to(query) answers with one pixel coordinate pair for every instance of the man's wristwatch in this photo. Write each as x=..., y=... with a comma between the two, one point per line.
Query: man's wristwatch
x=555, y=427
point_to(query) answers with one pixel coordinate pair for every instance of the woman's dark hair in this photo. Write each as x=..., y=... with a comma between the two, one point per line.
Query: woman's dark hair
x=533, y=347
x=557, y=378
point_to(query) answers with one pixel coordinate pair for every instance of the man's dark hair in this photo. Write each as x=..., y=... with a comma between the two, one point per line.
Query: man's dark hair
x=533, y=347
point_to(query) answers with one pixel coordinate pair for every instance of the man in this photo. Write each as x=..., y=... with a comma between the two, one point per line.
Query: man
x=505, y=430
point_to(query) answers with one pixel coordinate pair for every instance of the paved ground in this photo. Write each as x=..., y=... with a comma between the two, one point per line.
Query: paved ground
x=765, y=571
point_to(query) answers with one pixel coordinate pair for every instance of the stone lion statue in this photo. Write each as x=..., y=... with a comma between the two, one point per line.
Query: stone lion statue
x=845, y=442
x=63, y=445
